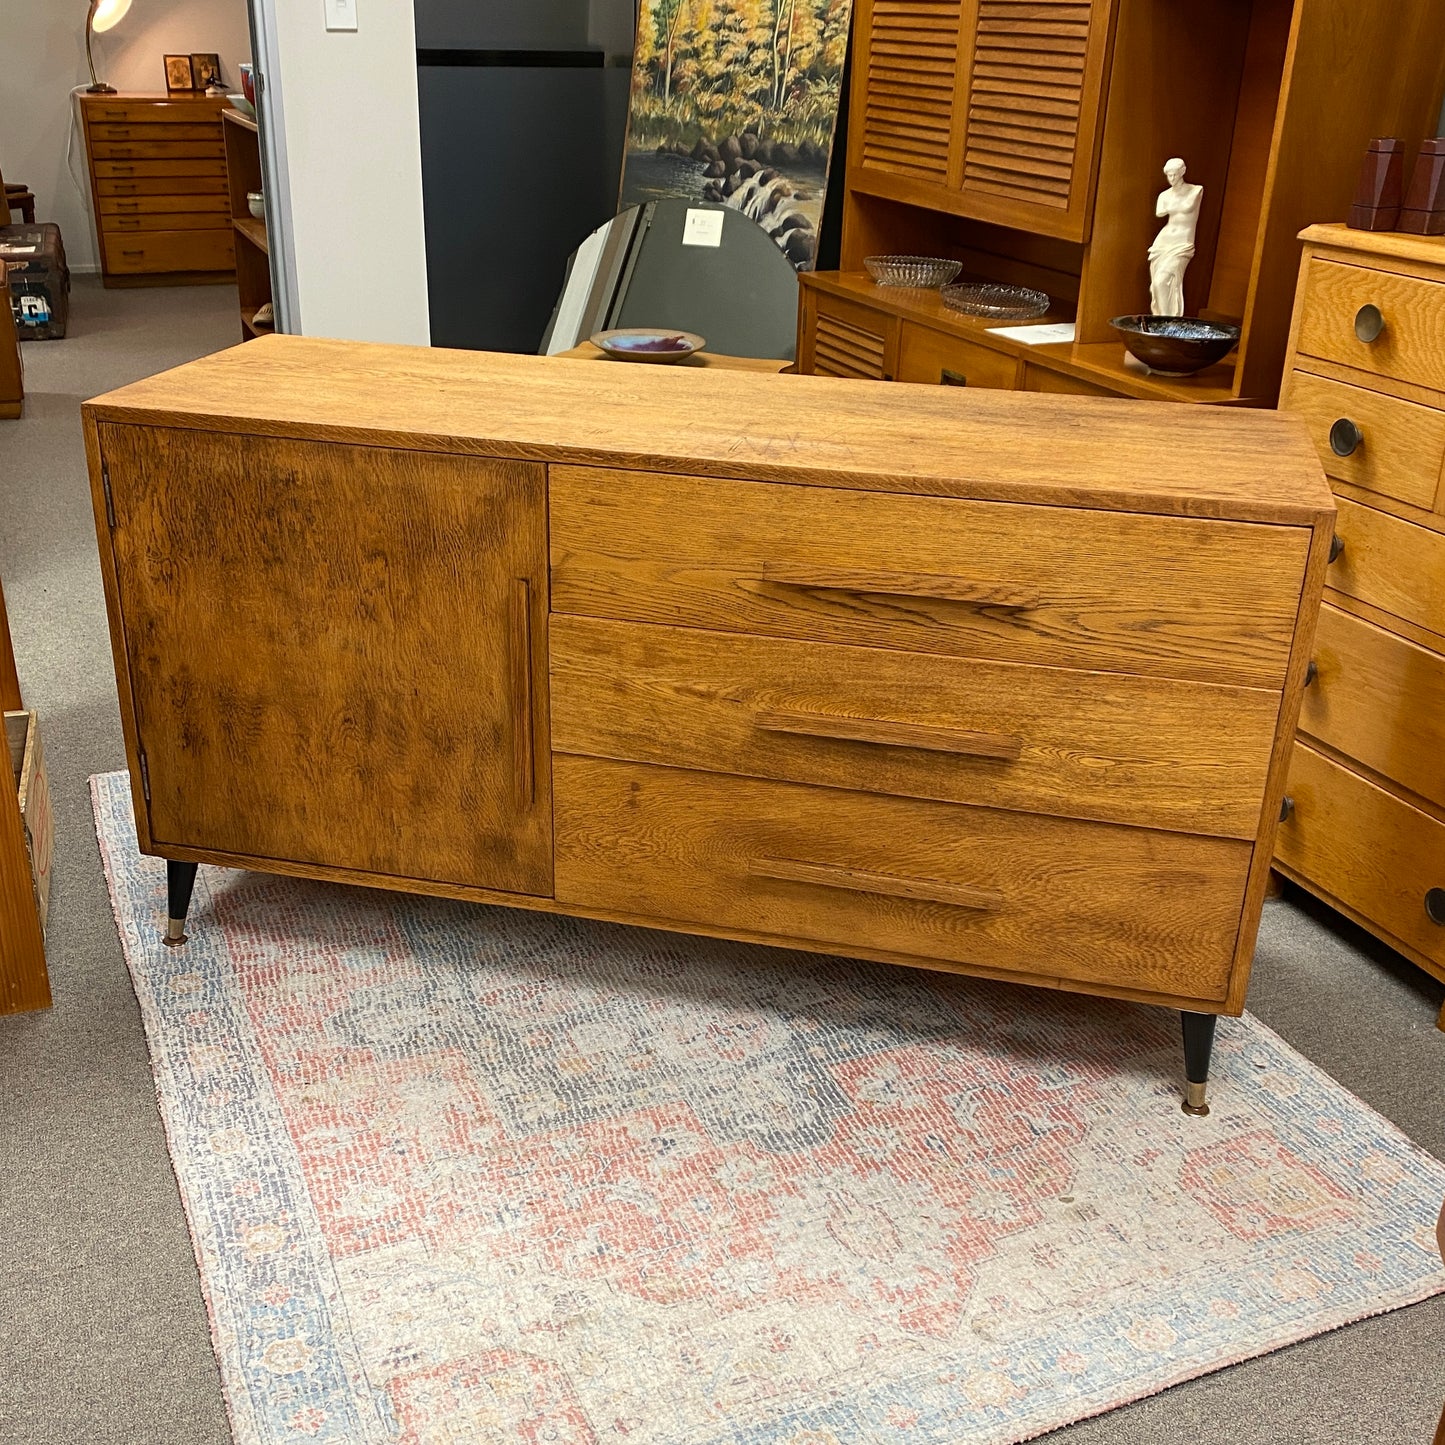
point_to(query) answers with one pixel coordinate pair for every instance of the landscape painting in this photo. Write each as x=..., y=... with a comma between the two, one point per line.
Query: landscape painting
x=735, y=101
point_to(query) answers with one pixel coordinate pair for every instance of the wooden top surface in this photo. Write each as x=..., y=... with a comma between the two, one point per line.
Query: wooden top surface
x=942, y=441
x=1428, y=250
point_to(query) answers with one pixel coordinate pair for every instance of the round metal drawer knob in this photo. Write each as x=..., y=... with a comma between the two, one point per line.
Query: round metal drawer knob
x=1286, y=809
x=1337, y=545
x=1435, y=905
x=1345, y=437
x=1369, y=323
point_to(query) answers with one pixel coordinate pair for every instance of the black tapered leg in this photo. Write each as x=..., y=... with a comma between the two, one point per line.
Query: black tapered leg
x=1198, y=1045
x=180, y=879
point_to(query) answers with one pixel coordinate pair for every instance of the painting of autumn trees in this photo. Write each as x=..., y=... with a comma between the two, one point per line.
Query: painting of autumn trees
x=715, y=68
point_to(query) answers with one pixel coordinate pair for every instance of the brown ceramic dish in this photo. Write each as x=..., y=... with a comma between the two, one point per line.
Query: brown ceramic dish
x=1175, y=345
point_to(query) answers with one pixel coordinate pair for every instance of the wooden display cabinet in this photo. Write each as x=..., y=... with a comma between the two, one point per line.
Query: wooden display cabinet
x=253, y=250
x=1027, y=139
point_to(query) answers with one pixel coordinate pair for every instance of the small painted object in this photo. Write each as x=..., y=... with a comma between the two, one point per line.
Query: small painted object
x=646, y=343
x=1423, y=213
x=1381, y=187
x=1175, y=345
x=1173, y=247
x=923, y=272
x=998, y=303
x=256, y=204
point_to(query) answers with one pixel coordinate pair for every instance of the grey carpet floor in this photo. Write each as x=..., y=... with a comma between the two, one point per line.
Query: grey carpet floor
x=103, y=1336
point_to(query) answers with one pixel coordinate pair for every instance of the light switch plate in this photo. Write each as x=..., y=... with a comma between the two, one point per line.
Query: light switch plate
x=340, y=14
x=702, y=228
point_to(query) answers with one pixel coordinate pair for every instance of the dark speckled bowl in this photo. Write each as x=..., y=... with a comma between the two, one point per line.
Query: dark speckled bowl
x=1175, y=345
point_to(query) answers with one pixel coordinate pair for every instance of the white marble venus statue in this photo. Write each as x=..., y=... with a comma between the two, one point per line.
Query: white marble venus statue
x=1173, y=247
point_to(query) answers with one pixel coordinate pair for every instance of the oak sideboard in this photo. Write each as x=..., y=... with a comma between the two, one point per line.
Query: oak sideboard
x=993, y=683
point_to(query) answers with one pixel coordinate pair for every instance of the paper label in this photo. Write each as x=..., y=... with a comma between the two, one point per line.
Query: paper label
x=702, y=228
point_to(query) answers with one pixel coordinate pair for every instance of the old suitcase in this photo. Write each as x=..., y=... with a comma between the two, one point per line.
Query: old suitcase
x=39, y=280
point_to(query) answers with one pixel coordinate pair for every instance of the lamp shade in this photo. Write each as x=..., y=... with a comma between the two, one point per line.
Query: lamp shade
x=108, y=13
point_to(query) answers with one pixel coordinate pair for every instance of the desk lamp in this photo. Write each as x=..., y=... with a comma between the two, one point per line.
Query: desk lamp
x=100, y=17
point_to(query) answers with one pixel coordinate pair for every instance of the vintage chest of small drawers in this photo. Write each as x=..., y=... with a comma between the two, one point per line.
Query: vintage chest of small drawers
x=158, y=188
x=1367, y=373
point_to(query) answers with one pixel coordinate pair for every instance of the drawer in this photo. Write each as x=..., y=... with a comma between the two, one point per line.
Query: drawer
x=155, y=130
x=936, y=357
x=1380, y=700
x=1411, y=347
x=164, y=221
x=183, y=112
x=207, y=203
x=1367, y=849
x=172, y=186
x=1391, y=564
x=1058, y=383
x=853, y=340
x=963, y=887
x=1166, y=596
x=129, y=170
x=157, y=150
x=1390, y=446
x=1180, y=755
x=159, y=251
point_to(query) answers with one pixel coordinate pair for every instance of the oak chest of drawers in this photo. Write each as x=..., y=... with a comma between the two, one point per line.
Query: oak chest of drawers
x=994, y=684
x=1367, y=374
x=158, y=188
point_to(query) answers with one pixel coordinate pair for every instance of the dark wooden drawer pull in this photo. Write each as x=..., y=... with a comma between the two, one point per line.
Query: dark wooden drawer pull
x=901, y=584
x=1435, y=905
x=859, y=880
x=1346, y=438
x=1369, y=323
x=1337, y=545
x=892, y=734
x=524, y=767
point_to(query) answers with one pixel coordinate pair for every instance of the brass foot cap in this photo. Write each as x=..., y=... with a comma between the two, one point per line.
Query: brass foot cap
x=1194, y=1102
x=175, y=933
x=1197, y=1111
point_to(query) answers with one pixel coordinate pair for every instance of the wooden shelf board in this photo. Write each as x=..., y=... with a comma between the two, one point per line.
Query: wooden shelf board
x=232, y=116
x=254, y=231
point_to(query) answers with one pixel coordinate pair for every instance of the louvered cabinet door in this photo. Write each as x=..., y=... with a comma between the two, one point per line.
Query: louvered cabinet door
x=1032, y=113
x=909, y=63
x=850, y=340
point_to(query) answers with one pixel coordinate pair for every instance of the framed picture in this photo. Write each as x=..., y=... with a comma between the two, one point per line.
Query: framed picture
x=178, y=73
x=205, y=70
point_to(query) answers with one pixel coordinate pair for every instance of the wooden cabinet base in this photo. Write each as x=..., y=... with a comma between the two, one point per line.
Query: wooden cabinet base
x=516, y=631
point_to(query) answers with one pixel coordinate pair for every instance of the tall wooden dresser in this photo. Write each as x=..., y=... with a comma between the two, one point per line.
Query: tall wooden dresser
x=1367, y=373
x=158, y=188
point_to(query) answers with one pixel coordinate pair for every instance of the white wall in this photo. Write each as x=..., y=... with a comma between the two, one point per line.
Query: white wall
x=42, y=57
x=352, y=144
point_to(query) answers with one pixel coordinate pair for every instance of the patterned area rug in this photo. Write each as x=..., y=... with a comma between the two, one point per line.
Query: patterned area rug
x=463, y=1174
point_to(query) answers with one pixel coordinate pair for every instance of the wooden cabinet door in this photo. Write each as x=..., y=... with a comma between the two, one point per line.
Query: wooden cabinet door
x=336, y=654
x=1032, y=112
x=848, y=339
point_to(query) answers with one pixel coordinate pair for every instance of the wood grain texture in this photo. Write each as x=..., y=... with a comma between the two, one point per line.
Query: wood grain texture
x=1391, y=564
x=1182, y=756
x=934, y=357
x=320, y=645
x=811, y=430
x=10, y=700
x=1363, y=845
x=1402, y=453
x=1153, y=911
x=1380, y=699
x=848, y=341
x=1172, y=597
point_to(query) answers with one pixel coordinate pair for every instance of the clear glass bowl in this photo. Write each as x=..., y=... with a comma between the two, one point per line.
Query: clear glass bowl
x=998, y=303
x=926, y=272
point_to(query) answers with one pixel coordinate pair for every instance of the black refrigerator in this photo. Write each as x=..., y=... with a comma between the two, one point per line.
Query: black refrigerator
x=523, y=120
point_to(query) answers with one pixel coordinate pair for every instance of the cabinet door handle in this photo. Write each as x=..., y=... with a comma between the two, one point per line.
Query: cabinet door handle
x=1369, y=323
x=951, y=378
x=891, y=734
x=1346, y=437
x=900, y=584
x=524, y=771
x=888, y=885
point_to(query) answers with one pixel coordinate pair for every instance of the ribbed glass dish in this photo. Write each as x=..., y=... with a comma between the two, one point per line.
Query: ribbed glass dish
x=925, y=272
x=998, y=303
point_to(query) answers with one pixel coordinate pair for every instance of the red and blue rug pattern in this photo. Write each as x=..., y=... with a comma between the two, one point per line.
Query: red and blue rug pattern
x=464, y=1174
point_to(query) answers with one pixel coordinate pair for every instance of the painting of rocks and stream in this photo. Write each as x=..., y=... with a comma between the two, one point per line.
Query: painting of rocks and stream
x=734, y=101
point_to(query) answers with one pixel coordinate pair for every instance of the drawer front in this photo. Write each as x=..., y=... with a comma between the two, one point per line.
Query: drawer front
x=1165, y=596
x=156, y=150
x=1391, y=564
x=1379, y=699
x=159, y=251
x=213, y=203
x=155, y=130
x=170, y=112
x=164, y=221
x=131, y=170
x=165, y=186
x=1390, y=446
x=1190, y=757
x=935, y=357
x=852, y=340
x=1041, y=378
x=1411, y=346
x=1366, y=848
x=999, y=891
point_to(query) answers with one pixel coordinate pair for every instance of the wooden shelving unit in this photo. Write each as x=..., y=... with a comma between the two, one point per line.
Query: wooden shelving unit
x=253, y=252
x=1028, y=142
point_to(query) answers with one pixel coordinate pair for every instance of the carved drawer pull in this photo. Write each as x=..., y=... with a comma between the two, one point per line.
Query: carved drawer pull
x=892, y=734
x=859, y=880
x=901, y=584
